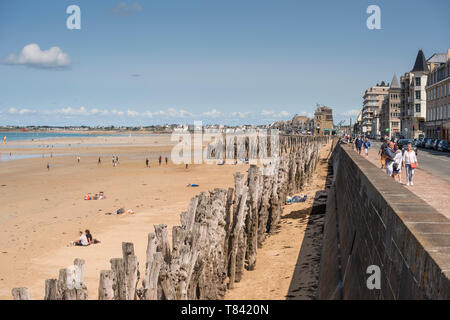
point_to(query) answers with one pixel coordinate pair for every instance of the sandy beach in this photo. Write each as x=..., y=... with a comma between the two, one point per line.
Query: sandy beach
x=42, y=210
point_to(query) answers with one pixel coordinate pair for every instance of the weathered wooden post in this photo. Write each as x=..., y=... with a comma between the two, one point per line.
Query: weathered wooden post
x=105, y=287
x=254, y=189
x=162, y=235
x=238, y=224
x=151, y=277
x=131, y=267
x=20, y=294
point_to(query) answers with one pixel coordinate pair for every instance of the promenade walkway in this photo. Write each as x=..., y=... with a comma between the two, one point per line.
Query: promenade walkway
x=432, y=189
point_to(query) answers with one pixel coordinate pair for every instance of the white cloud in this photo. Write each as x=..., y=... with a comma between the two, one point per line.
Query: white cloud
x=267, y=113
x=147, y=114
x=212, y=114
x=284, y=113
x=124, y=9
x=273, y=114
x=32, y=56
x=351, y=112
x=307, y=114
x=175, y=113
x=240, y=114
x=117, y=113
x=21, y=111
x=132, y=113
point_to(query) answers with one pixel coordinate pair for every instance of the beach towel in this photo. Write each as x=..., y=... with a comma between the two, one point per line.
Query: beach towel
x=192, y=185
x=297, y=199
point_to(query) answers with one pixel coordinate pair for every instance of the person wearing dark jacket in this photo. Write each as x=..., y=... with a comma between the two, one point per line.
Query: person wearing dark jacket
x=390, y=155
x=384, y=145
x=358, y=144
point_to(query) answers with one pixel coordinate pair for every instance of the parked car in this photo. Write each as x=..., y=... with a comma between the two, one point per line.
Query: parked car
x=434, y=144
x=420, y=142
x=428, y=143
x=443, y=145
x=403, y=144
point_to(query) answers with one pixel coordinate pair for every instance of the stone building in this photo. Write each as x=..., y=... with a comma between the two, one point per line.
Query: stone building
x=323, y=120
x=299, y=122
x=390, y=110
x=437, y=125
x=373, y=100
x=376, y=126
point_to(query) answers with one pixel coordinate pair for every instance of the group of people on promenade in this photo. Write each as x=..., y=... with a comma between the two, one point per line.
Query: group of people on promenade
x=359, y=143
x=393, y=157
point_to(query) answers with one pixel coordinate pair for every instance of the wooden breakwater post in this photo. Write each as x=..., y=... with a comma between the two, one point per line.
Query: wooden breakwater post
x=20, y=294
x=218, y=238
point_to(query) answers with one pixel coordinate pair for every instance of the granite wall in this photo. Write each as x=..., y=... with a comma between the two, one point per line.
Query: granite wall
x=372, y=220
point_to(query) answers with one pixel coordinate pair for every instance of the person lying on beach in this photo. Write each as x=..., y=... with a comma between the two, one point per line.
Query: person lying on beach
x=83, y=240
x=89, y=237
x=192, y=185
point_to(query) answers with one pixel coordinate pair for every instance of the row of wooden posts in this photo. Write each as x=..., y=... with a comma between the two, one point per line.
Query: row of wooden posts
x=219, y=236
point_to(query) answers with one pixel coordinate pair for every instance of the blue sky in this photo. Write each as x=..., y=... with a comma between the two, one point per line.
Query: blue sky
x=254, y=61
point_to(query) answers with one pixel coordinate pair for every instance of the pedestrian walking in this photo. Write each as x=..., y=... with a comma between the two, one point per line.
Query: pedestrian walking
x=390, y=155
x=166, y=160
x=99, y=161
x=397, y=165
x=410, y=163
x=146, y=162
x=366, y=145
x=160, y=159
x=358, y=144
x=384, y=145
x=48, y=166
x=78, y=159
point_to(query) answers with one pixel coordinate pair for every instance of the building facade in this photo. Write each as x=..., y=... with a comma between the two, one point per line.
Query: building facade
x=376, y=128
x=323, y=120
x=437, y=125
x=413, y=98
x=373, y=100
x=390, y=111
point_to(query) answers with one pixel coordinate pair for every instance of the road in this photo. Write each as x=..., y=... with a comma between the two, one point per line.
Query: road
x=433, y=162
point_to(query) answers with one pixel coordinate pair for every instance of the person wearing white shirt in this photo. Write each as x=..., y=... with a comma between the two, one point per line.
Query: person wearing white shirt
x=397, y=165
x=410, y=162
x=83, y=240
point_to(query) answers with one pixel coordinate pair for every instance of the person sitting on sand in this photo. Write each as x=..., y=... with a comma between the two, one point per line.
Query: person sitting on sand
x=89, y=237
x=83, y=240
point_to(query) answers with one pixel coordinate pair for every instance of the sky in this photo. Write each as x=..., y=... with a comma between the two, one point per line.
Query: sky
x=232, y=62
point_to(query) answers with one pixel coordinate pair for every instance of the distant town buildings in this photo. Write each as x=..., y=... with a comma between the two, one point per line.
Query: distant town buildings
x=373, y=100
x=390, y=110
x=323, y=120
x=437, y=125
x=418, y=105
x=321, y=124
